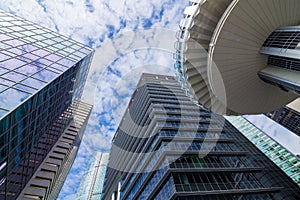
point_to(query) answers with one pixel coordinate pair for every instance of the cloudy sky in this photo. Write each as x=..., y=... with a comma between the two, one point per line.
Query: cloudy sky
x=129, y=37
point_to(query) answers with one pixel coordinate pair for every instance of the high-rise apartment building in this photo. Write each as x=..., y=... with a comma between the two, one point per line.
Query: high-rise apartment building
x=240, y=56
x=42, y=75
x=91, y=184
x=168, y=147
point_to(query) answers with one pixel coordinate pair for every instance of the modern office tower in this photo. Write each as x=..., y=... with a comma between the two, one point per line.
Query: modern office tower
x=233, y=52
x=284, y=159
x=168, y=147
x=91, y=184
x=49, y=178
x=288, y=116
x=42, y=74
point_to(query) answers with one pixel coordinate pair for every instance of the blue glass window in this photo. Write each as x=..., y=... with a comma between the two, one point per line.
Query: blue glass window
x=14, y=42
x=11, y=98
x=2, y=87
x=66, y=62
x=3, y=57
x=53, y=57
x=41, y=52
x=4, y=46
x=2, y=70
x=45, y=75
x=29, y=69
x=14, y=76
x=30, y=56
x=6, y=82
x=25, y=88
x=28, y=47
x=4, y=37
x=34, y=83
x=59, y=67
x=12, y=63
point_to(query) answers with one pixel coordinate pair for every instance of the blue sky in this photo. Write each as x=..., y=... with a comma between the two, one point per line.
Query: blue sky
x=129, y=36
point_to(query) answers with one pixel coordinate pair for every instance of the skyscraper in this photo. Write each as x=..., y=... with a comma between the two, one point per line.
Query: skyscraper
x=42, y=75
x=288, y=116
x=169, y=147
x=284, y=159
x=240, y=56
x=49, y=178
x=91, y=184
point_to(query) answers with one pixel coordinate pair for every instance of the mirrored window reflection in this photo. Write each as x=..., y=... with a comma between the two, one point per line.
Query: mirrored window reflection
x=2, y=88
x=28, y=48
x=13, y=76
x=16, y=51
x=53, y=57
x=4, y=37
x=6, y=82
x=14, y=42
x=2, y=70
x=12, y=63
x=59, y=67
x=45, y=75
x=11, y=98
x=44, y=61
x=66, y=62
x=4, y=46
x=29, y=69
x=3, y=57
x=41, y=52
x=25, y=88
x=30, y=56
x=34, y=83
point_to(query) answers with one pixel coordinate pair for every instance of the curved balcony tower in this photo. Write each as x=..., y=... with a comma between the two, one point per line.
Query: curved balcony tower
x=240, y=56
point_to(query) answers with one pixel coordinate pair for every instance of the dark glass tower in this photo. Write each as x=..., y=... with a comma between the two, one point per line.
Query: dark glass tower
x=42, y=74
x=287, y=117
x=168, y=147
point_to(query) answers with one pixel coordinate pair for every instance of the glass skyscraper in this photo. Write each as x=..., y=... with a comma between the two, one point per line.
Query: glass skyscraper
x=42, y=74
x=91, y=184
x=287, y=117
x=284, y=159
x=168, y=147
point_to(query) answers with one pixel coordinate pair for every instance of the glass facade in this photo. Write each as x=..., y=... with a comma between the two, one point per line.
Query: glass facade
x=174, y=149
x=93, y=179
x=41, y=74
x=288, y=118
x=288, y=162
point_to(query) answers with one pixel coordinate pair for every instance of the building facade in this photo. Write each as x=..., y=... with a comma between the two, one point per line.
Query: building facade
x=168, y=147
x=42, y=74
x=287, y=117
x=284, y=159
x=49, y=178
x=91, y=184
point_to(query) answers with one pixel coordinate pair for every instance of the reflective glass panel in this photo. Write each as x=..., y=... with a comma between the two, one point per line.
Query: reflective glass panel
x=34, y=83
x=11, y=98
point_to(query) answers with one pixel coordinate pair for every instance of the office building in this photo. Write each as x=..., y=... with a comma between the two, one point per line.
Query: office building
x=42, y=74
x=91, y=184
x=288, y=116
x=49, y=178
x=168, y=147
x=240, y=56
x=284, y=159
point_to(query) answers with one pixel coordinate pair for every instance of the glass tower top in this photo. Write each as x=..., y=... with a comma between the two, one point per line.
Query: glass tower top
x=31, y=57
